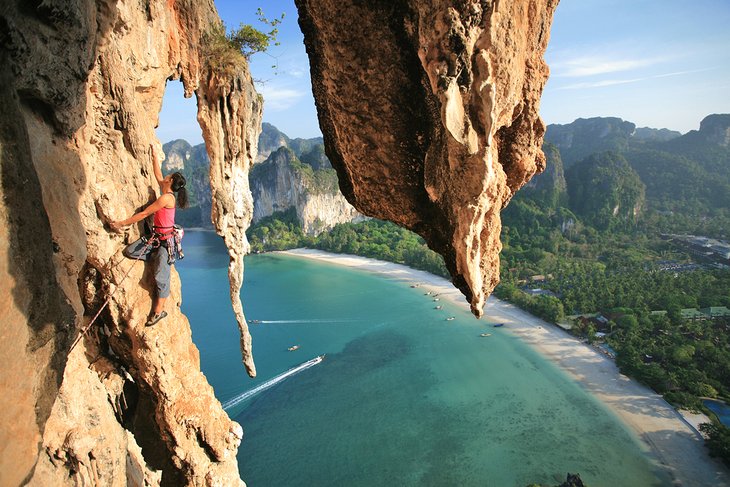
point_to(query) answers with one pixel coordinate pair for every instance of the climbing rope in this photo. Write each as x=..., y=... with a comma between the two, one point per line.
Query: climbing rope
x=86, y=328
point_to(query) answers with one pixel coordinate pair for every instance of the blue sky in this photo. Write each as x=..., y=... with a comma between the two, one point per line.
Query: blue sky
x=657, y=63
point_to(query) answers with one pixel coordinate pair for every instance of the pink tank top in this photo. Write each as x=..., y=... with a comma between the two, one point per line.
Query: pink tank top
x=163, y=222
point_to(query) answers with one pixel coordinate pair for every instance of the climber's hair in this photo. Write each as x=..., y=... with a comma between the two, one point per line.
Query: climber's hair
x=178, y=186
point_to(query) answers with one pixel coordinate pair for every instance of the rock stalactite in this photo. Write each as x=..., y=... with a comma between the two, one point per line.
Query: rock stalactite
x=225, y=114
x=429, y=111
x=82, y=86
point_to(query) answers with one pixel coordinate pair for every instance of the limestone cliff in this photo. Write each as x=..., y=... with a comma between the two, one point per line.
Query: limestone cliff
x=81, y=89
x=430, y=115
x=283, y=182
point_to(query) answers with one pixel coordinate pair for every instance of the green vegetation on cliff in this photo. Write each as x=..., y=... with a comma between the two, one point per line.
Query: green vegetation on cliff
x=605, y=191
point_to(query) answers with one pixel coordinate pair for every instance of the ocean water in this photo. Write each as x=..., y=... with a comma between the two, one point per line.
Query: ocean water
x=403, y=398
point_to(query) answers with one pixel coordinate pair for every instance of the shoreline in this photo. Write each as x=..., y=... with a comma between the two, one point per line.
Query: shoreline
x=669, y=437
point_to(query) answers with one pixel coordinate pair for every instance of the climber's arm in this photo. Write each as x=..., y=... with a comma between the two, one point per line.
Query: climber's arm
x=157, y=205
x=157, y=157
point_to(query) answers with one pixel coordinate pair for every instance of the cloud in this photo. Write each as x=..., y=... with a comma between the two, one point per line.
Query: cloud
x=279, y=98
x=595, y=65
x=297, y=72
x=611, y=82
x=600, y=84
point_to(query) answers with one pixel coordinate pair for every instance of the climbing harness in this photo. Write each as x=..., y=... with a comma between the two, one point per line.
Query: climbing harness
x=150, y=243
x=172, y=241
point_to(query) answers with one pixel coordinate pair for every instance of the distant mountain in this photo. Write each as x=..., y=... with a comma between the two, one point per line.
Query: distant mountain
x=605, y=191
x=586, y=136
x=283, y=182
x=689, y=173
x=709, y=146
x=714, y=130
x=272, y=138
x=655, y=135
x=316, y=157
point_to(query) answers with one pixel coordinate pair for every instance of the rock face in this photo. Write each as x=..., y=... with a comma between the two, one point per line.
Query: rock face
x=438, y=126
x=283, y=182
x=82, y=86
x=585, y=136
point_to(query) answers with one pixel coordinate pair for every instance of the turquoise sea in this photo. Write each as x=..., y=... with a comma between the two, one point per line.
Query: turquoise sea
x=403, y=398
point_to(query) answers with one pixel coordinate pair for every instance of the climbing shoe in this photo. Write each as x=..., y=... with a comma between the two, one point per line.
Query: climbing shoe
x=155, y=318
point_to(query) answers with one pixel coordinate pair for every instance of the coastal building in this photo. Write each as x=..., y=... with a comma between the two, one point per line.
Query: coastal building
x=539, y=292
x=692, y=314
x=716, y=312
x=705, y=248
x=600, y=323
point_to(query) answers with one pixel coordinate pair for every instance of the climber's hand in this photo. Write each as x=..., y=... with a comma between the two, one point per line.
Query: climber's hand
x=156, y=152
x=116, y=226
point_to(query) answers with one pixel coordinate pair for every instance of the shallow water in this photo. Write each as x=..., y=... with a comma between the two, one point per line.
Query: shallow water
x=404, y=397
x=721, y=410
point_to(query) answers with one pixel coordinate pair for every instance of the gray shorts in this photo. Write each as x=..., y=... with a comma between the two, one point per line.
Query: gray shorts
x=158, y=258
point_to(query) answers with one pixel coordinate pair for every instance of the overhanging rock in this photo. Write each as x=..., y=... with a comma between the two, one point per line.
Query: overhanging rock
x=429, y=111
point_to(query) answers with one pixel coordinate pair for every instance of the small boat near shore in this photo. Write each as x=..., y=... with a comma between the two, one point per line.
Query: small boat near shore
x=438, y=307
x=451, y=318
x=498, y=325
x=293, y=347
x=485, y=334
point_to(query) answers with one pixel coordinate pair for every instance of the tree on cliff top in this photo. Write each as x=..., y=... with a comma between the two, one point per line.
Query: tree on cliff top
x=225, y=50
x=249, y=40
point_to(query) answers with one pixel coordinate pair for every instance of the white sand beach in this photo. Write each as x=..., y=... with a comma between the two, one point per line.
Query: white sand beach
x=670, y=439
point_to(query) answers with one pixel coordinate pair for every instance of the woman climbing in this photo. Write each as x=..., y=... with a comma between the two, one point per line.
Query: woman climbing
x=155, y=248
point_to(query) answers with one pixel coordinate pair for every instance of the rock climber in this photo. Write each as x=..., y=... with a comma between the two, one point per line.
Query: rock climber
x=157, y=252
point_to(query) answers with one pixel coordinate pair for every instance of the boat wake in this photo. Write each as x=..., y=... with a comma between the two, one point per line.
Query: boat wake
x=271, y=382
